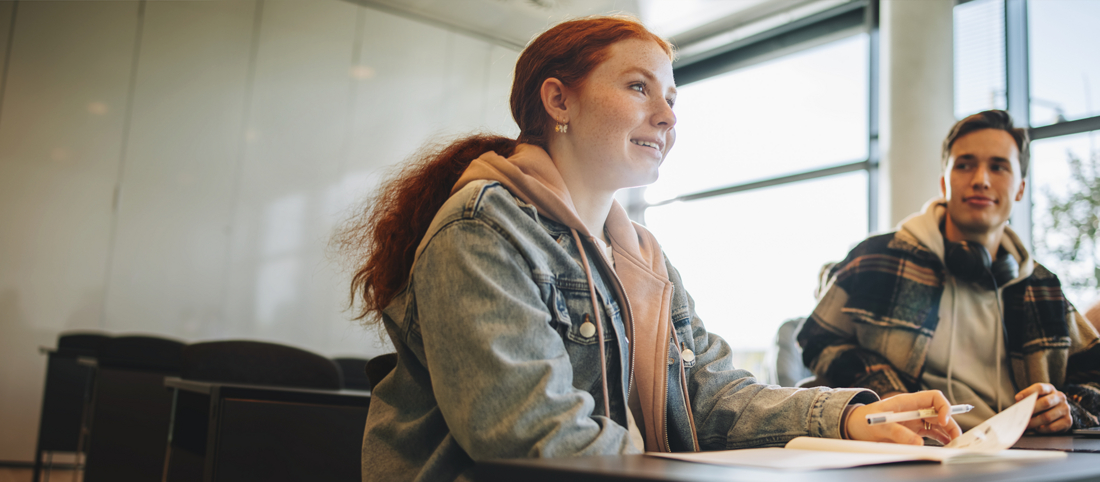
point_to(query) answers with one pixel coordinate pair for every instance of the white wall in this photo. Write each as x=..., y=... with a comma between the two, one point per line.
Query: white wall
x=177, y=167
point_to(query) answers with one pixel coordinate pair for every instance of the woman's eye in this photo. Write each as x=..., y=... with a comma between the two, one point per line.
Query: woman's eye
x=640, y=87
x=671, y=102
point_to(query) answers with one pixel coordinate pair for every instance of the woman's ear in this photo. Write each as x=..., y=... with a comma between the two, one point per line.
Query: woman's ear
x=554, y=96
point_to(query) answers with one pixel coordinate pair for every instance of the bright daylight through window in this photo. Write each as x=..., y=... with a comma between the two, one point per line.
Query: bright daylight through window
x=751, y=259
x=1065, y=86
x=1062, y=92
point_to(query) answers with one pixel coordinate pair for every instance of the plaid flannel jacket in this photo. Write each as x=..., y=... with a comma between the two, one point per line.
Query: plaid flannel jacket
x=874, y=326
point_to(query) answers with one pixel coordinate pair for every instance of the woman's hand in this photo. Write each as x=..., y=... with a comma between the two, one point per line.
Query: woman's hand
x=942, y=428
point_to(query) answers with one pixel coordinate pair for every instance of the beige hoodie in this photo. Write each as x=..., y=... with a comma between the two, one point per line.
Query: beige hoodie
x=966, y=359
x=531, y=175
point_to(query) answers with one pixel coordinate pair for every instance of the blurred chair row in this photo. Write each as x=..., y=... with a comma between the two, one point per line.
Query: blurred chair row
x=105, y=396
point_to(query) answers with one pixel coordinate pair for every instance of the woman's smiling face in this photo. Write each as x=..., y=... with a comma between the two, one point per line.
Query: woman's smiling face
x=620, y=119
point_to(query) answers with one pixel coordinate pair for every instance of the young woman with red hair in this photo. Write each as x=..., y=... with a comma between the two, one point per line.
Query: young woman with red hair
x=531, y=318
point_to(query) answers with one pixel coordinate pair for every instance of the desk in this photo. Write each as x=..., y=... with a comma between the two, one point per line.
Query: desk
x=1077, y=467
x=127, y=421
x=1064, y=443
x=230, y=431
x=68, y=384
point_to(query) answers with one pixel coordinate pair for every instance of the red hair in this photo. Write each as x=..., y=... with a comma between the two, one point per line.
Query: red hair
x=382, y=240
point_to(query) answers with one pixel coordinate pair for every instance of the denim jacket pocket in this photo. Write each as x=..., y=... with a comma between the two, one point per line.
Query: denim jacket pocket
x=571, y=310
x=681, y=323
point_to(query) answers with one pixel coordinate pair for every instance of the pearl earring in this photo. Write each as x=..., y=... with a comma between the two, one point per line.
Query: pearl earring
x=563, y=128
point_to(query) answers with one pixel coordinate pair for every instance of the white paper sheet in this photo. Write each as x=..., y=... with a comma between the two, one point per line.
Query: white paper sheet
x=1000, y=431
x=986, y=442
x=786, y=459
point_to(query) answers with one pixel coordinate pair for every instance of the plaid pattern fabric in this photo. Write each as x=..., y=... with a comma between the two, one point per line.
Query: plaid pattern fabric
x=891, y=288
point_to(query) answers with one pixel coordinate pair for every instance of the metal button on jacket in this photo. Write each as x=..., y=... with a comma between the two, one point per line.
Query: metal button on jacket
x=588, y=329
x=687, y=355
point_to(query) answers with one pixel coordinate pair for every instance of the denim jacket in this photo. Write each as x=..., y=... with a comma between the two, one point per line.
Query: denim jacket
x=493, y=363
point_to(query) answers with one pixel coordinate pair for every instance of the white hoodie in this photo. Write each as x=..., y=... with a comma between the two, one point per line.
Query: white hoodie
x=967, y=360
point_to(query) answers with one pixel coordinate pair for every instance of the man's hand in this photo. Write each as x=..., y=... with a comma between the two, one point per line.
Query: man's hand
x=942, y=428
x=1051, y=412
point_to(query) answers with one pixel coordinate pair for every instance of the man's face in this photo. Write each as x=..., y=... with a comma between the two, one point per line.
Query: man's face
x=982, y=180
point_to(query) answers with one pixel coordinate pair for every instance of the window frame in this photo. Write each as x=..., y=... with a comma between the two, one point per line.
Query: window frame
x=1018, y=97
x=835, y=23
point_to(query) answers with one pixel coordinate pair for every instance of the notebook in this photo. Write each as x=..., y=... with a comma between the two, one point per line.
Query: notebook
x=986, y=442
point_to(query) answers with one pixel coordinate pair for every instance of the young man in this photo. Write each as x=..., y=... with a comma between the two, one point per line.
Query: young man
x=920, y=309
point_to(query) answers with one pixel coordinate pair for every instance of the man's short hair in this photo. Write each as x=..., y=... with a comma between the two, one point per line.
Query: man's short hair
x=990, y=119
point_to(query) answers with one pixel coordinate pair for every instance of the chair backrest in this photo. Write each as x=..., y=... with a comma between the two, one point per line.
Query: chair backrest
x=81, y=343
x=141, y=353
x=259, y=363
x=789, y=368
x=380, y=366
x=354, y=372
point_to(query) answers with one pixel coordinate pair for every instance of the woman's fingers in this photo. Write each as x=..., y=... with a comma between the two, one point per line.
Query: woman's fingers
x=941, y=433
x=898, y=433
x=941, y=427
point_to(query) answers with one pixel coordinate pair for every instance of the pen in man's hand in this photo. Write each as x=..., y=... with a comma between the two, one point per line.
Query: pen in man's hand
x=891, y=417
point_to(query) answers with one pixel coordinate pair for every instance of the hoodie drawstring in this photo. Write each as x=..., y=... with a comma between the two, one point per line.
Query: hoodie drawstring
x=951, y=349
x=1002, y=338
x=599, y=324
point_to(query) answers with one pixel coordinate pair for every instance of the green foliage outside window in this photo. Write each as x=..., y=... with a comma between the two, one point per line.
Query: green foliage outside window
x=1073, y=233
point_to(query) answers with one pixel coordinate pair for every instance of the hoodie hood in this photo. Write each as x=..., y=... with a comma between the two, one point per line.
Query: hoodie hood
x=531, y=175
x=925, y=227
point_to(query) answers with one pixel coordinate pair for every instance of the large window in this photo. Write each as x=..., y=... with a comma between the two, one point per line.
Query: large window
x=1064, y=103
x=1039, y=59
x=768, y=120
x=1064, y=59
x=1066, y=173
x=979, y=57
x=770, y=178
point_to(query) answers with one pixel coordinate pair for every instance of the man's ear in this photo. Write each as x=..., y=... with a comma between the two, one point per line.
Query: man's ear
x=554, y=96
x=943, y=186
x=1020, y=194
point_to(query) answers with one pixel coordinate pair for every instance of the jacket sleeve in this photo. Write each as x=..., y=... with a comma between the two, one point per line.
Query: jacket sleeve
x=499, y=372
x=1083, y=371
x=732, y=409
x=831, y=348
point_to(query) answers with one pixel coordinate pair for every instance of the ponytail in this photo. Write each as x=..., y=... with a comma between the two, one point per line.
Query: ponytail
x=384, y=237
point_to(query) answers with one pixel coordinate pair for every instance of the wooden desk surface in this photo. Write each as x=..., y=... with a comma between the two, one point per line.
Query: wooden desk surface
x=1076, y=467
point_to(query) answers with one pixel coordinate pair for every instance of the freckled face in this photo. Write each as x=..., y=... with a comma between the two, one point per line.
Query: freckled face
x=621, y=120
x=982, y=180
